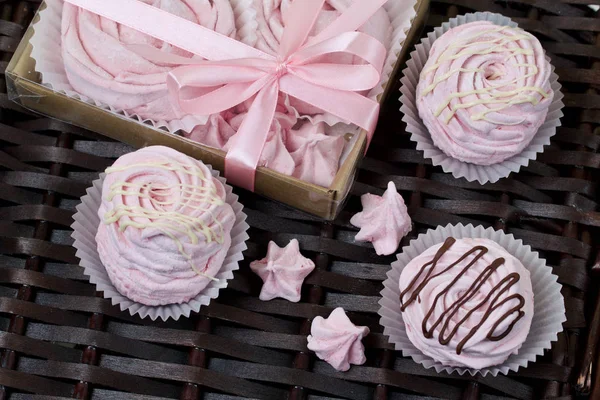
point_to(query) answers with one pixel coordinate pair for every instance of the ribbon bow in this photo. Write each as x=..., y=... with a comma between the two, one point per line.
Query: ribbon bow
x=234, y=72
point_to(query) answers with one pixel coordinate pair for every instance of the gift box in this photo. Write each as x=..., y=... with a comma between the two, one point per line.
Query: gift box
x=26, y=87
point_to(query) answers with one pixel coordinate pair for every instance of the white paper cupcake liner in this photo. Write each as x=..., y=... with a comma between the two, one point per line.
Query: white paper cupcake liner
x=85, y=228
x=419, y=133
x=46, y=50
x=549, y=309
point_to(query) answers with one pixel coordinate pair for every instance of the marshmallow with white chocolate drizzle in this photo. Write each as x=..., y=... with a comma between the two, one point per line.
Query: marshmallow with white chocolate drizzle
x=466, y=303
x=484, y=92
x=165, y=226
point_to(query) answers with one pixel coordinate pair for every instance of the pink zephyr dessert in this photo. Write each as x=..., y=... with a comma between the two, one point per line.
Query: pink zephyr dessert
x=466, y=303
x=484, y=92
x=384, y=220
x=165, y=227
x=337, y=340
x=100, y=65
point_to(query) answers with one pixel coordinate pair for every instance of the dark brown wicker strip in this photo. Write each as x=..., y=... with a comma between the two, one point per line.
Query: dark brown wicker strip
x=59, y=339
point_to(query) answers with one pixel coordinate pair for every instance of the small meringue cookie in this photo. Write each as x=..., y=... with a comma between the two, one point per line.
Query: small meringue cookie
x=317, y=155
x=215, y=133
x=337, y=340
x=384, y=220
x=283, y=270
x=275, y=154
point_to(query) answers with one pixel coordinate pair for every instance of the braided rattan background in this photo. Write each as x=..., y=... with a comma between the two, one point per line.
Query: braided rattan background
x=59, y=339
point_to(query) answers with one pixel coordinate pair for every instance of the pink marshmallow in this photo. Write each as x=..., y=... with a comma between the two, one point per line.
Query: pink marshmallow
x=502, y=73
x=143, y=260
x=100, y=66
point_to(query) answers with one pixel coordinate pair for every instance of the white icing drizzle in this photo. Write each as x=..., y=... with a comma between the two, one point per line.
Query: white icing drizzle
x=446, y=76
x=519, y=95
x=169, y=222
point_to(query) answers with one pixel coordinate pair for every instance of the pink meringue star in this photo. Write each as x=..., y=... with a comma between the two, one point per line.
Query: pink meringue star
x=316, y=154
x=215, y=133
x=283, y=270
x=384, y=220
x=274, y=155
x=337, y=340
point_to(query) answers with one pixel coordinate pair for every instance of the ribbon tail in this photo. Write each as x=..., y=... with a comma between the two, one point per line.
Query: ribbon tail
x=244, y=155
x=349, y=106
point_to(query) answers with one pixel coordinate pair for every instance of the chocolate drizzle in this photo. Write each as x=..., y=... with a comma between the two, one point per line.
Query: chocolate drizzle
x=494, y=299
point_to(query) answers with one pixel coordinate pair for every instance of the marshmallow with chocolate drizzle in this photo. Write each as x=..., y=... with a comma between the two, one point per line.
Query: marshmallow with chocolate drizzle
x=466, y=303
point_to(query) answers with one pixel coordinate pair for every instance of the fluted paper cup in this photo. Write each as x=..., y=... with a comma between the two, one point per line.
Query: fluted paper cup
x=420, y=134
x=85, y=228
x=548, y=314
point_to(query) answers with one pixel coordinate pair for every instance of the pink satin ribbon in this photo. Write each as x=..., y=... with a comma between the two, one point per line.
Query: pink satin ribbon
x=234, y=71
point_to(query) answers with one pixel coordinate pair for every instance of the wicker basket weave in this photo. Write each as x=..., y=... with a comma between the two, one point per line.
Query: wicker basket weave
x=59, y=339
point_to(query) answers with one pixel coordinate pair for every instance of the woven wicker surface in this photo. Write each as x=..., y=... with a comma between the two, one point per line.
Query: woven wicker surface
x=60, y=339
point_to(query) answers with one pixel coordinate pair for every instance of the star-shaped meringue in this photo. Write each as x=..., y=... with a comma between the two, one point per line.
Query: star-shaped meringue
x=384, y=220
x=215, y=133
x=275, y=154
x=316, y=154
x=337, y=340
x=283, y=270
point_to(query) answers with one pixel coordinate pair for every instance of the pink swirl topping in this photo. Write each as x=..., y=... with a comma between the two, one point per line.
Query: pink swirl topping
x=337, y=340
x=283, y=271
x=384, y=220
x=165, y=226
x=484, y=92
x=466, y=303
x=100, y=65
